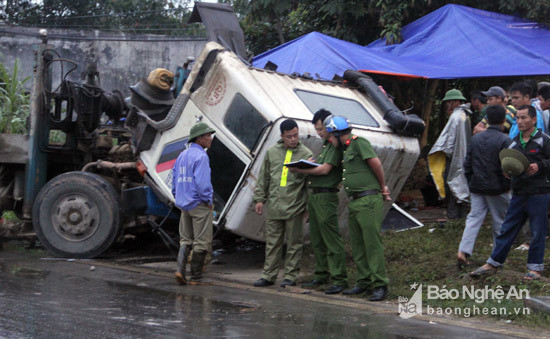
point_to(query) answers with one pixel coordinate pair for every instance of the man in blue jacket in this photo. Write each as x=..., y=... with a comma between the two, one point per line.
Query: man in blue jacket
x=192, y=188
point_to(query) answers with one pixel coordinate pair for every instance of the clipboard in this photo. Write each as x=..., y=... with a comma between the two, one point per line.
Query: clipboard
x=304, y=164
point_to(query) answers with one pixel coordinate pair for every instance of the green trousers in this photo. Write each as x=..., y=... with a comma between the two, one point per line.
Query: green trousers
x=277, y=231
x=327, y=244
x=365, y=222
x=196, y=228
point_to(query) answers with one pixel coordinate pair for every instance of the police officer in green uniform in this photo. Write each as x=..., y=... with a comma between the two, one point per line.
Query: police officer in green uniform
x=363, y=180
x=327, y=244
x=285, y=195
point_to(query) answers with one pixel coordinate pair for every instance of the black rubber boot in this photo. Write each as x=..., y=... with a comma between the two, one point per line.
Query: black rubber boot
x=197, y=265
x=183, y=255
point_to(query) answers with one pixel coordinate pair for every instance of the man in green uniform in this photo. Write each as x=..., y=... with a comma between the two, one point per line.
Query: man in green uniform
x=327, y=244
x=363, y=180
x=285, y=195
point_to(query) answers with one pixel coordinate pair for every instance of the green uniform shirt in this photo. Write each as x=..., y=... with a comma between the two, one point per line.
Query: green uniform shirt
x=283, y=191
x=357, y=175
x=329, y=155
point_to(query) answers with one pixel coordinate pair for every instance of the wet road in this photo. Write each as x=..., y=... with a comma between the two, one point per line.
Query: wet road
x=50, y=298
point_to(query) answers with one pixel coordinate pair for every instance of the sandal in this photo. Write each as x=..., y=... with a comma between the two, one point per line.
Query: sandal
x=531, y=275
x=462, y=259
x=482, y=271
x=523, y=247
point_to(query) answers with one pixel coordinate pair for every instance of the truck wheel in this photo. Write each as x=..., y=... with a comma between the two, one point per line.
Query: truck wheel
x=76, y=215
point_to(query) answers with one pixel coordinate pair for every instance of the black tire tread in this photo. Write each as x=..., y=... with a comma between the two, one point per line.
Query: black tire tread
x=84, y=178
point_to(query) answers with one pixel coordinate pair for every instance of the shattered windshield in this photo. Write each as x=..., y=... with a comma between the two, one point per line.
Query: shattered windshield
x=351, y=109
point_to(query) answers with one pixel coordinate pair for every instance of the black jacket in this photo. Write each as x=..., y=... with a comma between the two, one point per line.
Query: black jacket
x=482, y=164
x=537, y=151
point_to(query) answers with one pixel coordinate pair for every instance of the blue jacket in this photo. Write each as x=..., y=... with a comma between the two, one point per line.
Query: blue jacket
x=191, y=181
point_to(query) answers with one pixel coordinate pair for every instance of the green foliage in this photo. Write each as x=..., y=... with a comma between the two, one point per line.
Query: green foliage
x=135, y=16
x=269, y=23
x=536, y=10
x=266, y=23
x=391, y=19
x=14, y=101
x=9, y=216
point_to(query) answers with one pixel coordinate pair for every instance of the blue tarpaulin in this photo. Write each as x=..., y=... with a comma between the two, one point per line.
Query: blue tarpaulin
x=451, y=42
x=325, y=56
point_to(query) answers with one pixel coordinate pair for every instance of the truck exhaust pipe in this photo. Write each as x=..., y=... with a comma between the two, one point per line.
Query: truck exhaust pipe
x=400, y=123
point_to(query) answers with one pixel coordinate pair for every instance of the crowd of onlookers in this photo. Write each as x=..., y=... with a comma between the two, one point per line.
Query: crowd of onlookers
x=501, y=166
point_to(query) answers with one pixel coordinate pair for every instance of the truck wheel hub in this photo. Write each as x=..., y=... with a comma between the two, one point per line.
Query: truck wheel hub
x=75, y=217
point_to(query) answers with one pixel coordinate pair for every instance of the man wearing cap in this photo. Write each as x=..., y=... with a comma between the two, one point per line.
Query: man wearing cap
x=285, y=195
x=448, y=153
x=193, y=192
x=497, y=96
x=478, y=104
x=365, y=185
x=327, y=244
x=530, y=198
x=488, y=186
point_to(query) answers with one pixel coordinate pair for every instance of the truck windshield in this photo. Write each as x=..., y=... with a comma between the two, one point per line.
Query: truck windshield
x=244, y=121
x=351, y=109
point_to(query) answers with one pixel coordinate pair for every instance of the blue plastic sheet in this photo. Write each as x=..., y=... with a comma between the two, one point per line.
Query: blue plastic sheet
x=451, y=42
x=324, y=56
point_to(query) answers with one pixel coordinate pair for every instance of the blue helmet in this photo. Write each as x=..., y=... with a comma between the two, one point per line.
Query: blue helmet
x=336, y=124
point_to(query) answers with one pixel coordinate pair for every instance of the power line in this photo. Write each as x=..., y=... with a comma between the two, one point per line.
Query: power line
x=123, y=13
x=135, y=29
x=156, y=28
x=107, y=38
x=168, y=25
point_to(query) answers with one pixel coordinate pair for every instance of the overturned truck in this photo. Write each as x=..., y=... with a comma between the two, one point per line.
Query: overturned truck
x=110, y=174
x=245, y=106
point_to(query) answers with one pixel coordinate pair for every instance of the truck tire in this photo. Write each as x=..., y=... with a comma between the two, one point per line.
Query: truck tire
x=76, y=215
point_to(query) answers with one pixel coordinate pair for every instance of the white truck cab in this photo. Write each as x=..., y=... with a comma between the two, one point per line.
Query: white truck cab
x=245, y=106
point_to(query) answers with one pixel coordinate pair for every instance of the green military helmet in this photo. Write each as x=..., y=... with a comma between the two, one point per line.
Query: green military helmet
x=454, y=94
x=513, y=162
x=200, y=128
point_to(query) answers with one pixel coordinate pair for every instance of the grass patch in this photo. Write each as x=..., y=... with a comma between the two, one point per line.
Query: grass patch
x=421, y=256
x=429, y=258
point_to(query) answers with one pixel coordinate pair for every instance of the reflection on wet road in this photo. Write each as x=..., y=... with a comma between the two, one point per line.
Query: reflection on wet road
x=40, y=298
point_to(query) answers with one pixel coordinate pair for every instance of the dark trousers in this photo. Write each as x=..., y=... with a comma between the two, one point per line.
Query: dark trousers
x=532, y=207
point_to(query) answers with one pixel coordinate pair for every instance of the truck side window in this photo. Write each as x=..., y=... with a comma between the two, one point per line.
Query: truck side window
x=244, y=121
x=351, y=109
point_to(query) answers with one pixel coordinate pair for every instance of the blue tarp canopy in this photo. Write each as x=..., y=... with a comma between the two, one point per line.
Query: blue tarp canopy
x=451, y=42
x=325, y=56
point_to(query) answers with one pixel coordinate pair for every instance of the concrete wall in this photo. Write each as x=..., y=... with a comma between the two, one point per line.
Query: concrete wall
x=122, y=59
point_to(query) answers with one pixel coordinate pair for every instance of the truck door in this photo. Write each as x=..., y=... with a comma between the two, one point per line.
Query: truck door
x=231, y=151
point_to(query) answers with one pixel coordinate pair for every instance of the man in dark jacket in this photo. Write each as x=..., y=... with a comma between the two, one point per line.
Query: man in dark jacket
x=488, y=186
x=530, y=199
